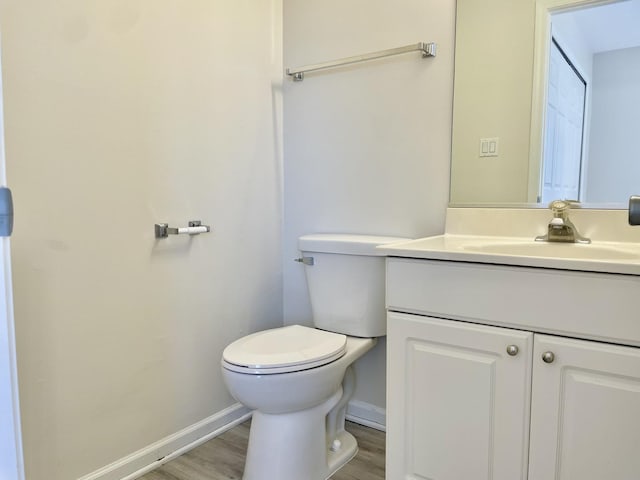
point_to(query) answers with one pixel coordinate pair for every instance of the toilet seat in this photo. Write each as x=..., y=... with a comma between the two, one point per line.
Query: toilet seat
x=284, y=350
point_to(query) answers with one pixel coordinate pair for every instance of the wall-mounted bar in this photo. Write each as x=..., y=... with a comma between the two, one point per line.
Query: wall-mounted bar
x=427, y=49
x=163, y=230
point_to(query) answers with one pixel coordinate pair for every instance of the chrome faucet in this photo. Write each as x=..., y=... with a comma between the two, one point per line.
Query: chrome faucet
x=560, y=228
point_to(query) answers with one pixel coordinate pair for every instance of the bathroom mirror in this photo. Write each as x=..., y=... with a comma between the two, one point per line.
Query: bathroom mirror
x=546, y=103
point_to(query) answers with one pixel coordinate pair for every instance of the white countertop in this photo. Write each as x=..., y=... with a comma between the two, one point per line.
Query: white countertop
x=599, y=256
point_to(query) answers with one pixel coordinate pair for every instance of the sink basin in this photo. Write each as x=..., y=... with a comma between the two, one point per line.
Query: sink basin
x=554, y=250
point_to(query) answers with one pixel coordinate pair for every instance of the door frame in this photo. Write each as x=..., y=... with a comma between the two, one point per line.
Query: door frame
x=11, y=455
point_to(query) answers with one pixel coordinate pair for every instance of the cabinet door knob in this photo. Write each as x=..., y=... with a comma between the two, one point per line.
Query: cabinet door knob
x=512, y=350
x=548, y=357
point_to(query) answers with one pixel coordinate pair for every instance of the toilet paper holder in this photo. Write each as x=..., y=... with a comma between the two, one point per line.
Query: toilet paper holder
x=163, y=230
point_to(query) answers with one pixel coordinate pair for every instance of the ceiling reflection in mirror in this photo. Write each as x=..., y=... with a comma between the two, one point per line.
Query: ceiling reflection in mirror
x=546, y=111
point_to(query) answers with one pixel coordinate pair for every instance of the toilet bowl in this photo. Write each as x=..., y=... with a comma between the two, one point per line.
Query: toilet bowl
x=298, y=379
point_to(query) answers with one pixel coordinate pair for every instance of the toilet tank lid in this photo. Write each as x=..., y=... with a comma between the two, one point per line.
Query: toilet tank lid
x=347, y=244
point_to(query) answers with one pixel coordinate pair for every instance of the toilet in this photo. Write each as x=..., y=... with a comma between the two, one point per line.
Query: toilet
x=298, y=379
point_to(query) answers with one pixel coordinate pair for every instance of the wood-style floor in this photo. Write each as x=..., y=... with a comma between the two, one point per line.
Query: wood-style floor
x=222, y=458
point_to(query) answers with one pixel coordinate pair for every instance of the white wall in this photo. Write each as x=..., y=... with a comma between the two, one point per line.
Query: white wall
x=614, y=169
x=121, y=114
x=367, y=147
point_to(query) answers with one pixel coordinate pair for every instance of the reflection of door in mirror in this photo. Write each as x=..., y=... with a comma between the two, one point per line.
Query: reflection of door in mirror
x=564, y=118
x=601, y=38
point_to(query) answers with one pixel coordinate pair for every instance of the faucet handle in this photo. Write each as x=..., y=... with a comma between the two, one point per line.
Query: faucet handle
x=560, y=208
x=564, y=204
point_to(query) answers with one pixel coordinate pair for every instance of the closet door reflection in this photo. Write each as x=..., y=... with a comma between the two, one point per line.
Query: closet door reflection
x=562, y=164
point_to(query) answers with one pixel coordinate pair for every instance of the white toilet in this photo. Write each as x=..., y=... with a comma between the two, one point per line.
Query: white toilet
x=298, y=380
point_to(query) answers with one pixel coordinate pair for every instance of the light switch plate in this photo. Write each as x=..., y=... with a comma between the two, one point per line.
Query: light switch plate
x=489, y=147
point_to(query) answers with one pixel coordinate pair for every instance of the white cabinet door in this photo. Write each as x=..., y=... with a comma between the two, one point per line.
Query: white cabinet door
x=585, y=417
x=457, y=402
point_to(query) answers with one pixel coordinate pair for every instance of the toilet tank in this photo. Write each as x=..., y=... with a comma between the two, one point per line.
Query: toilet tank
x=346, y=282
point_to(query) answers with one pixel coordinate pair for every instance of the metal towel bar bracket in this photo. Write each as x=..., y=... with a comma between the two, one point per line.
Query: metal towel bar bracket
x=427, y=49
x=163, y=230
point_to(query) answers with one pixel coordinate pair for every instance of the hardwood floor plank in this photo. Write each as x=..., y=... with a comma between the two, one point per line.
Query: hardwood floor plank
x=222, y=458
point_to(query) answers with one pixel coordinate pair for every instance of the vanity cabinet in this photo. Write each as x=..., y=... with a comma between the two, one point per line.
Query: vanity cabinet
x=481, y=387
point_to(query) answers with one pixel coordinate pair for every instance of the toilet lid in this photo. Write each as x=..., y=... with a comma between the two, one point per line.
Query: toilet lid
x=284, y=349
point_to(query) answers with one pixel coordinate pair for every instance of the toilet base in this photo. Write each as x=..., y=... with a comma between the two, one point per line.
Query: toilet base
x=294, y=446
x=339, y=458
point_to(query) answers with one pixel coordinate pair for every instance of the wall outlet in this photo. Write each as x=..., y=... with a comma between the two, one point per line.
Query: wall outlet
x=489, y=147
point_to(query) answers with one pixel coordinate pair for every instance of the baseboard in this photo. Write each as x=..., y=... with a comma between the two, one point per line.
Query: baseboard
x=367, y=414
x=148, y=458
